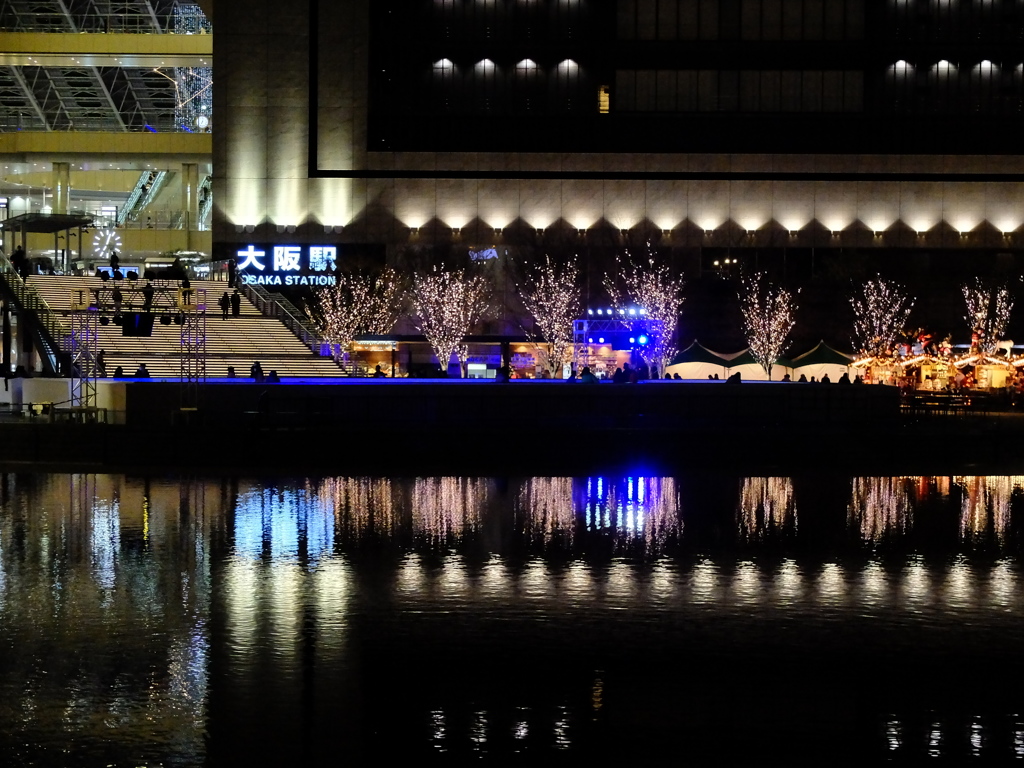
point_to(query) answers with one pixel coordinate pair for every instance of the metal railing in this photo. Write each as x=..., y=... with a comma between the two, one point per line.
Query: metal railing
x=55, y=335
x=271, y=305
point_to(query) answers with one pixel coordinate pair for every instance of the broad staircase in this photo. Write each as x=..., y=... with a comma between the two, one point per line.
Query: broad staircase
x=237, y=342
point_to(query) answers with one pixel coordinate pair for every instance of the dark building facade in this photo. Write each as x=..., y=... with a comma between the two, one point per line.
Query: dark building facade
x=881, y=126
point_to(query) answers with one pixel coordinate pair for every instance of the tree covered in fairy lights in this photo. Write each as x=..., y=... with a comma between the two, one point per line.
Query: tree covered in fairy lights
x=358, y=303
x=768, y=317
x=987, y=312
x=448, y=303
x=658, y=294
x=552, y=295
x=880, y=315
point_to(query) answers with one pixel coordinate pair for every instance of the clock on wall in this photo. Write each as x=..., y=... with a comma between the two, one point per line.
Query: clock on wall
x=104, y=241
x=202, y=122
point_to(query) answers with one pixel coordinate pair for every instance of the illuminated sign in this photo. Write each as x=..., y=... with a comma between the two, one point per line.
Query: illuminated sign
x=484, y=255
x=288, y=265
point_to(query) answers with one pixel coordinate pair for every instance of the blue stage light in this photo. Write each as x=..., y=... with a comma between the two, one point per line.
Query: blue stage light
x=643, y=339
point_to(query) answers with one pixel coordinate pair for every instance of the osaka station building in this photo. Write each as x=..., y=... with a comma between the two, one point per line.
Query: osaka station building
x=783, y=129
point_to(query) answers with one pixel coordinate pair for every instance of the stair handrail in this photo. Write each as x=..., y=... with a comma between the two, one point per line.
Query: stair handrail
x=272, y=305
x=56, y=333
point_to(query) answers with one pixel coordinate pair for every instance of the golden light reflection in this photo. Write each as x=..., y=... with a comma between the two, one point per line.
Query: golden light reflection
x=766, y=506
x=789, y=583
x=445, y=509
x=874, y=584
x=283, y=588
x=704, y=582
x=1003, y=585
x=331, y=581
x=241, y=598
x=544, y=510
x=746, y=583
x=986, y=504
x=959, y=587
x=880, y=506
x=916, y=586
x=362, y=505
x=832, y=584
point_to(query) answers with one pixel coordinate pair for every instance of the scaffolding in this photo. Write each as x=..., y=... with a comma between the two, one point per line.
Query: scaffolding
x=192, y=305
x=83, y=348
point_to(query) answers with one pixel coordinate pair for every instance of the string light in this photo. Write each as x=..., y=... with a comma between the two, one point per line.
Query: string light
x=357, y=304
x=768, y=312
x=552, y=296
x=880, y=314
x=448, y=304
x=988, y=313
x=660, y=295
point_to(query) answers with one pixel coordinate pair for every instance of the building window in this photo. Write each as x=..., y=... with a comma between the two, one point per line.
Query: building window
x=604, y=100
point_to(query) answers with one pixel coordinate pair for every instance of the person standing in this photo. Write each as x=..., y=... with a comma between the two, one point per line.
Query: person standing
x=236, y=303
x=225, y=303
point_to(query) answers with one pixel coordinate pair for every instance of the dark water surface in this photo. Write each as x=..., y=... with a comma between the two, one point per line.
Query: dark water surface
x=351, y=621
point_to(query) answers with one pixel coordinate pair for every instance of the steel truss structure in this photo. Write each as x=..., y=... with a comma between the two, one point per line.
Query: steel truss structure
x=103, y=98
x=83, y=347
x=193, y=345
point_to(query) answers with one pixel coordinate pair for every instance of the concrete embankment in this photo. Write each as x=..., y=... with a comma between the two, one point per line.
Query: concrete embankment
x=395, y=427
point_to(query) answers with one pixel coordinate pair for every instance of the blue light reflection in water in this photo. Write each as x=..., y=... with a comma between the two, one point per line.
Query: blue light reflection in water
x=169, y=622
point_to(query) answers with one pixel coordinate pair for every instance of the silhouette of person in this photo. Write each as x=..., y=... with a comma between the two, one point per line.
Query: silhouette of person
x=377, y=373
x=273, y=378
x=225, y=304
x=142, y=372
x=147, y=296
x=115, y=260
x=101, y=362
x=236, y=304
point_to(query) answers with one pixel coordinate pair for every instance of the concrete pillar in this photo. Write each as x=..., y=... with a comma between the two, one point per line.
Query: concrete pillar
x=190, y=192
x=190, y=199
x=61, y=186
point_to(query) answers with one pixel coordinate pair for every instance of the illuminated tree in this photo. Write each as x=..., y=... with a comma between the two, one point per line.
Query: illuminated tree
x=448, y=304
x=552, y=296
x=357, y=304
x=880, y=314
x=768, y=312
x=658, y=298
x=988, y=312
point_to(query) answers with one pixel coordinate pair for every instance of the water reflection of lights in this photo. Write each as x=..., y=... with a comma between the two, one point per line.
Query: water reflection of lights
x=1003, y=584
x=545, y=506
x=438, y=729
x=893, y=734
x=241, y=598
x=916, y=582
x=445, y=509
x=832, y=584
x=643, y=509
x=478, y=732
x=935, y=740
x=279, y=521
x=283, y=585
x=704, y=582
x=880, y=506
x=766, y=505
x=959, y=587
x=986, y=502
x=536, y=581
x=562, y=740
x=362, y=504
x=187, y=670
x=874, y=584
x=104, y=542
x=494, y=579
x=331, y=581
x=977, y=736
x=788, y=583
x=453, y=580
x=746, y=583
